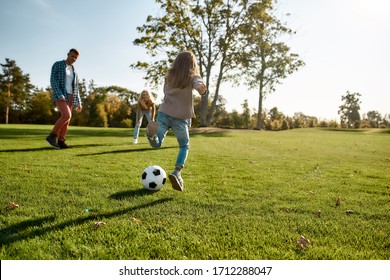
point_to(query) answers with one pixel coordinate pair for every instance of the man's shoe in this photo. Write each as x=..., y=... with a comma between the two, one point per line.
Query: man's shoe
x=176, y=181
x=135, y=141
x=51, y=140
x=62, y=144
x=151, y=129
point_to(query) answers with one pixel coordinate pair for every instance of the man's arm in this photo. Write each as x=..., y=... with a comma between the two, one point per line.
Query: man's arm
x=55, y=81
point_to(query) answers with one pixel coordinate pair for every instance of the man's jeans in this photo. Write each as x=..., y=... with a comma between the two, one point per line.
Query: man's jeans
x=180, y=129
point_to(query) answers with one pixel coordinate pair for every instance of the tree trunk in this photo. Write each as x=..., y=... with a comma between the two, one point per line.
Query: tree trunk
x=203, y=110
x=8, y=103
x=213, y=104
x=216, y=95
x=260, y=108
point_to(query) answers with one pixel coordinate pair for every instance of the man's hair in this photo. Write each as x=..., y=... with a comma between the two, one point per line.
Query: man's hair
x=75, y=51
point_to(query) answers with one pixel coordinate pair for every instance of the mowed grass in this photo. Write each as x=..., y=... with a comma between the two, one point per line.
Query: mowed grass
x=248, y=195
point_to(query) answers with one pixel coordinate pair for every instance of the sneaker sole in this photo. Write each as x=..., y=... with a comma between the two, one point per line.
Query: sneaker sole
x=151, y=129
x=55, y=147
x=175, y=183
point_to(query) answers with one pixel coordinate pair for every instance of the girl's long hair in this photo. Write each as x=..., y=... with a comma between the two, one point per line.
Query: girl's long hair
x=148, y=92
x=183, y=69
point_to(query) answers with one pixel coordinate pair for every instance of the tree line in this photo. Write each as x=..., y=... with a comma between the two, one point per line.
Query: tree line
x=23, y=103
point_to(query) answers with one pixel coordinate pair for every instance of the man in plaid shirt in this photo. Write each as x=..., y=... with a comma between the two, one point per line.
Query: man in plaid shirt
x=64, y=85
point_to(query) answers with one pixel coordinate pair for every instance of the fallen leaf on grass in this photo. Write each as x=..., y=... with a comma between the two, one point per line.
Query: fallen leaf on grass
x=98, y=224
x=12, y=205
x=135, y=220
x=317, y=213
x=303, y=242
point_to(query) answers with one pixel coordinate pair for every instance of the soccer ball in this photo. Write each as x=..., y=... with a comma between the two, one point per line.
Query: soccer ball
x=153, y=178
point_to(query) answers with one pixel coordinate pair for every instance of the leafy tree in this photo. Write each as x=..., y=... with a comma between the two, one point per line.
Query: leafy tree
x=208, y=28
x=301, y=120
x=237, y=119
x=41, y=108
x=246, y=114
x=274, y=114
x=15, y=90
x=126, y=105
x=81, y=118
x=284, y=125
x=97, y=112
x=220, y=113
x=349, y=110
x=386, y=121
x=374, y=118
x=109, y=106
x=267, y=60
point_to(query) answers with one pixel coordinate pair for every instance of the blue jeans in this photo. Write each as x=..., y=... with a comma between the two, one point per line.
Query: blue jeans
x=148, y=115
x=180, y=129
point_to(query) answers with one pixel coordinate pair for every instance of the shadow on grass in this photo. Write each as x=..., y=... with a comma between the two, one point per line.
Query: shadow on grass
x=342, y=130
x=26, y=150
x=74, y=131
x=124, y=151
x=50, y=148
x=359, y=130
x=209, y=132
x=132, y=193
x=385, y=131
x=22, y=230
x=12, y=133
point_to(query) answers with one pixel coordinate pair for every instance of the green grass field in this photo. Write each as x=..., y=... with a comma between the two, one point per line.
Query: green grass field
x=248, y=195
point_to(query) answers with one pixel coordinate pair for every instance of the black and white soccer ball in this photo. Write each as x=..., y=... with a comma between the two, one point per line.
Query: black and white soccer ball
x=153, y=178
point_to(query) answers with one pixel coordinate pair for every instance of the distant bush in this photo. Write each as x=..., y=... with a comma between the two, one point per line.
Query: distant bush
x=126, y=123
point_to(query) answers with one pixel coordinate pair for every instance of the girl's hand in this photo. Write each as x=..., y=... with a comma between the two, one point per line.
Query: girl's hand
x=201, y=88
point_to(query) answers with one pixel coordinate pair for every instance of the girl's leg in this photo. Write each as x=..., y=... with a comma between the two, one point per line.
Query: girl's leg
x=180, y=129
x=163, y=121
x=137, y=126
x=148, y=115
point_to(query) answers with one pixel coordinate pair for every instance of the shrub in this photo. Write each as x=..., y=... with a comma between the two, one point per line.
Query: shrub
x=126, y=123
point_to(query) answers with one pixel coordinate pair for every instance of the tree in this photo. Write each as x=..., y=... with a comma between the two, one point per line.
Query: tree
x=246, y=114
x=208, y=28
x=15, y=89
x=349, y=110
x=275, y=115
x=265, y=58
x=81, y=118
x=374, y=118
x=40, y=108
x=109, y=106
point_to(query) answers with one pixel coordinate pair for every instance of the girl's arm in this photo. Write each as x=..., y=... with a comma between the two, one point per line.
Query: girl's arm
x=143, y=105
x=199, y=85
x=153, y=111
x=138, y=112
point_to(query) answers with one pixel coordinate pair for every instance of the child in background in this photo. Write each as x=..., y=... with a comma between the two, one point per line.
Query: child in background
x=177, y=109
x=145, y=107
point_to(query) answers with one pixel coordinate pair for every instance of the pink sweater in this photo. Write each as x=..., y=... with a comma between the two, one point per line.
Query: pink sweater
x=178, y=102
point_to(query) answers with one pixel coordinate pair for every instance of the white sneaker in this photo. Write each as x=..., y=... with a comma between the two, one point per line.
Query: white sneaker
x=135, y=141
x=176, y=181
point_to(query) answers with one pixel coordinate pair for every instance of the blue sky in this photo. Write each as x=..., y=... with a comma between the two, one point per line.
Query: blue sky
x=344, y=43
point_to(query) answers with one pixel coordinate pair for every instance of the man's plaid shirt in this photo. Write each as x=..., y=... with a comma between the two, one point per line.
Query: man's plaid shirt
x=58, y=83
